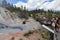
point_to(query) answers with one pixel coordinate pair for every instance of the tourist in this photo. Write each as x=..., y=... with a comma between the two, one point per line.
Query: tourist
x=57, y=26
x=54, y=20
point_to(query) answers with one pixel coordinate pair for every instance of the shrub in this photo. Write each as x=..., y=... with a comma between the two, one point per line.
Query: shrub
x=12, y=38
x=28, y=33
x=20, y=39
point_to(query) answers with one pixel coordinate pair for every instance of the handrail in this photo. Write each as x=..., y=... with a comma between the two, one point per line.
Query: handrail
x=44, y=26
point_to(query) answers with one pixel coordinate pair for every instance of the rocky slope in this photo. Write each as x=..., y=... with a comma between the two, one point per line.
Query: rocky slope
x=36, y=35
x=12, y=27
x=10, y=20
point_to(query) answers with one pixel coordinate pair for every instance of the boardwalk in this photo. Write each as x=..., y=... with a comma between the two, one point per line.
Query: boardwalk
x=58, y=36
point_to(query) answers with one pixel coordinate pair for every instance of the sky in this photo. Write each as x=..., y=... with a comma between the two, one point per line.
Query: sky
x=39, y=4
x=16, y=1
x=25, y=1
